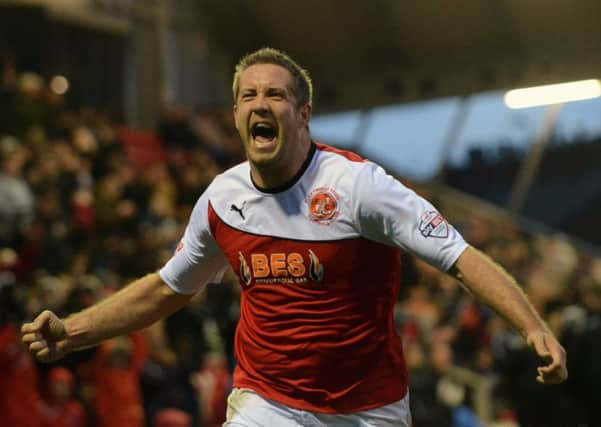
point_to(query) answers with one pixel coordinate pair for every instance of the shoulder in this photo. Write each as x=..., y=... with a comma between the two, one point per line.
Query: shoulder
x=351, y=167
x=342, y=155
x=232, y=181
x=222, y=188
x=231, y=187
x=232, y=178
x=342, y=163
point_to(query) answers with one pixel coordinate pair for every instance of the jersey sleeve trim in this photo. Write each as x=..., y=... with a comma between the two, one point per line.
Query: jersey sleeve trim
x=349, y=155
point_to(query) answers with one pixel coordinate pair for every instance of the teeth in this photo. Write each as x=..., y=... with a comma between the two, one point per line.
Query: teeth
x=263, y=125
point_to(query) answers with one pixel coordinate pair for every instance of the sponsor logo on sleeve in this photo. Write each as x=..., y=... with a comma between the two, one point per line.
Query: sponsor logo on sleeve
x=433, y=224
x=323, y=205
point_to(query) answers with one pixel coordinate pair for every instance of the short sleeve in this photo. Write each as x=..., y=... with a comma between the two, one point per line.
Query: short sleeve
x=388, y=212
x=198, y=260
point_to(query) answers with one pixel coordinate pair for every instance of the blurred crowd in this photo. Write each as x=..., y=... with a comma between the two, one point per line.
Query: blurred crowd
x=83, y=212
x=467, y=367
x=84, y=209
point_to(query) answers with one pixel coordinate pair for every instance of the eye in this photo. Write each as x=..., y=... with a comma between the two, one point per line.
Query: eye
x=277, y=94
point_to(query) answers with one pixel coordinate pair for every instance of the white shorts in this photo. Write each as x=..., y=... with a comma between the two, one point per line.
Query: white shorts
x=245, y=408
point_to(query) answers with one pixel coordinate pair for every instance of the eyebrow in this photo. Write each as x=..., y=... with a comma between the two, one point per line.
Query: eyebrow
x=277, y=90
x=269, y=90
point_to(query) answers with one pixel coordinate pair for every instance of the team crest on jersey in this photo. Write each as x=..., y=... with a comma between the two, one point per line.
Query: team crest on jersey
x=323, y=205
x=433, y=224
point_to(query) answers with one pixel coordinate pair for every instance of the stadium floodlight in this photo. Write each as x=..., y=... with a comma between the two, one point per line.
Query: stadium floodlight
x=553, y=94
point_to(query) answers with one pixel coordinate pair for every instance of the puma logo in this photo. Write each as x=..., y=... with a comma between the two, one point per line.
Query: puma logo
x=238, y=209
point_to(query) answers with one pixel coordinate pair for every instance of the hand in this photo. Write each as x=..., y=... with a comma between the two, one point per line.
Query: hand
x=552, y=353
x=45, y=337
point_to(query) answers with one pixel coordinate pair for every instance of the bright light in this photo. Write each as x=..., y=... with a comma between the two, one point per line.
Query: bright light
x=553, y=94
x=59, y=85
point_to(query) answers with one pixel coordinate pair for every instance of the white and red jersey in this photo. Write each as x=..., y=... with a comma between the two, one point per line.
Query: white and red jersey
x=319, y=266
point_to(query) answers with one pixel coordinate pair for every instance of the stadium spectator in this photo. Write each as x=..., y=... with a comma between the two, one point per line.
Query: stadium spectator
x=171, y=417
x=114, y=374
x=60, y=409
x=212, y=384
x=16, y=197
x=582, y=335
x=19, y=377
x=28, y=107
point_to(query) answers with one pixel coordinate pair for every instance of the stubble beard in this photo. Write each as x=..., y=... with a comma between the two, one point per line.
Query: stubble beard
x=265, y=161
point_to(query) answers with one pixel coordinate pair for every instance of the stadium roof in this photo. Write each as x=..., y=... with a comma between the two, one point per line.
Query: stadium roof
x=365, y=53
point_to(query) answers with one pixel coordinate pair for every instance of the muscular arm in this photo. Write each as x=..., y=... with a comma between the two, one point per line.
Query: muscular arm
x=496, y=288
x=136, y=306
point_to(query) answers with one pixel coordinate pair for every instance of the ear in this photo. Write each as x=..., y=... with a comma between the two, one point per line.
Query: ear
x=305, y=112
x=234, y=111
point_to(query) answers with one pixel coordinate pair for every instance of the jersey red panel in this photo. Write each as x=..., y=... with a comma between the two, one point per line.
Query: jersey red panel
x=316, y=329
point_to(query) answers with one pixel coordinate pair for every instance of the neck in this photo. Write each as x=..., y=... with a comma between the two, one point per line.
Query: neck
x=269, y=177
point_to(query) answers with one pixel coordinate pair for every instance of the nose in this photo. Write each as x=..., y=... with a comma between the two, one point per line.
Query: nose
x=260, y=105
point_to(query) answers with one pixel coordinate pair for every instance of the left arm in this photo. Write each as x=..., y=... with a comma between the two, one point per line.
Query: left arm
x=492, y=285
x=386, y=211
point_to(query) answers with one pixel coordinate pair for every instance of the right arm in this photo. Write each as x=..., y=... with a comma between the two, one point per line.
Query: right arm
x=134, y=307
x=197, y=261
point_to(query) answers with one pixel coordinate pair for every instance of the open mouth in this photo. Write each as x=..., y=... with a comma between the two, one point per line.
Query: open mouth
x=264, y=132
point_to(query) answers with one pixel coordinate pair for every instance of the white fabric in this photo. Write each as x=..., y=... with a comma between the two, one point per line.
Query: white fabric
x=247, y=409
x=198, y=259
x=390, y=213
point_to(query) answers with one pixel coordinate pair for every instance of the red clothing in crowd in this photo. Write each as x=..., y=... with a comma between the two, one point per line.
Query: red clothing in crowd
x=213, y=384
x=115, y=375
x=59, y=409
x=19, y=381
x=171, y=417
x=68, y=414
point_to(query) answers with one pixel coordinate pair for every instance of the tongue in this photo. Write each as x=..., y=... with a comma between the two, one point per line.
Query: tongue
x=264, y=139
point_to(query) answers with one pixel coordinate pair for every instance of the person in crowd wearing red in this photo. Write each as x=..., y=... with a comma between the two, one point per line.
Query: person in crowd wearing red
x=60, y=409
x=171, y=417
x=19, y=377
x=114, y=374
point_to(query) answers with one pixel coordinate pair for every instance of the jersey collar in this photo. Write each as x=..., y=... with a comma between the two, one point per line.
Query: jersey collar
x=294, y=179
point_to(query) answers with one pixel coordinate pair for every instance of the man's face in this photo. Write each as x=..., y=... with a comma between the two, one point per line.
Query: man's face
x=268, y=119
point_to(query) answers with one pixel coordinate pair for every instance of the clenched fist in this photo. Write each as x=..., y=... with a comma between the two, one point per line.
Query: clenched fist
x=45, y=337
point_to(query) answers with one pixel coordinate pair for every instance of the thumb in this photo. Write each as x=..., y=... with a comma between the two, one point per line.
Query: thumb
x=49, y=325
x=38, y=323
